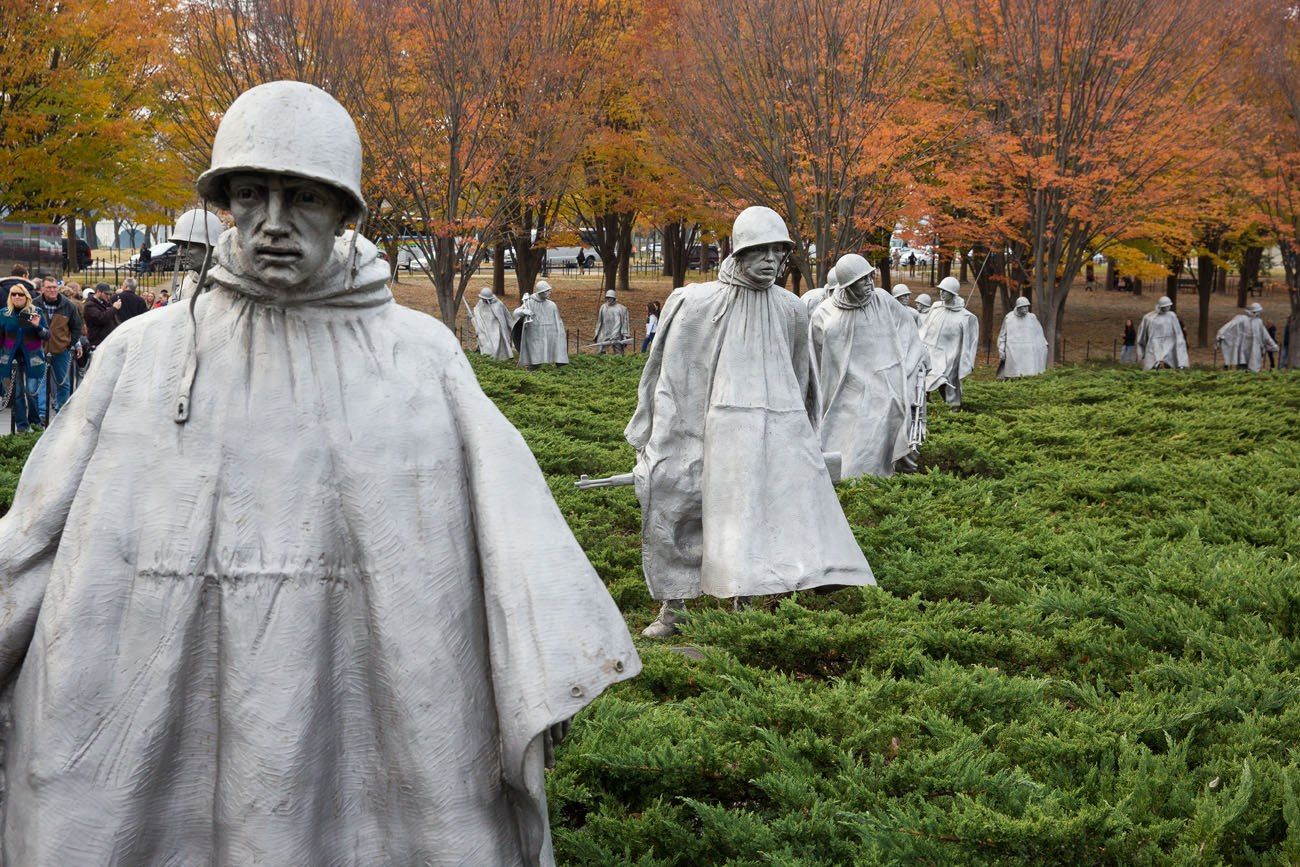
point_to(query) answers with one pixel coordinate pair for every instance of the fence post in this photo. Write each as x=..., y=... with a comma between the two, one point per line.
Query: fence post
x=1087, y=351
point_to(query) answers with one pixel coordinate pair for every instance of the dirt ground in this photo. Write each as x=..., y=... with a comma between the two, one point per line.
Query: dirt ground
x=1094, y=321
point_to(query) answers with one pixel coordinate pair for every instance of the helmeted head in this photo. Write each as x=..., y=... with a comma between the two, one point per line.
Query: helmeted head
x=286, y=162
x=902, y=292
x=542, y=290
x=760, y=244
x=924, y=302
x=949, y=286
x=1164, y=303
x=194, y=233
x=611, y=296
x=1255, y=309
x=87, y=293
x=832, y=279
x=287, y=128
x=486, y=294
x=1022, y=305
x=854, y=274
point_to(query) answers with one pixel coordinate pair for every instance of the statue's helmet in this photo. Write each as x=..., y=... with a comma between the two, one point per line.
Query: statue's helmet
x=486, y=294
x=287, y=127
x=851, y=268
x=542, y=288
x=1022, y=302
x=610, y=293
x=924, y=301
x=1164, y=303
x=951, y=285
x=757, y=226
x=1255, y=308
x=901, y=290
x=197, y=227
x=832, y=279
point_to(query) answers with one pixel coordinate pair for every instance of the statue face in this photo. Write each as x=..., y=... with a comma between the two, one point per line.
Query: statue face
x=761, y=264
x=286, y=225
x=189, y=257
x=949, y=298
x=859, y=289
x=1021, y=311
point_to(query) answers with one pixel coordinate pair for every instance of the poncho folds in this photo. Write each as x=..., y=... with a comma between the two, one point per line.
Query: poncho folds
x=870, y=362
x=1160, y=340
x=543, y=339
x=613, y=327
x=1243, y=340
x=492, y=326
x=1022, y=346
x=735, y=496
x=326, y=620
x=952, y=335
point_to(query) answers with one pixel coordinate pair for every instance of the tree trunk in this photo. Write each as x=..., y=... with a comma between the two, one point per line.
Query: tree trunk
x=1250, y=262
x=1112, y=277
x=1205, y=280
x=444, y=278
x=390, y=248
x=1171, y=282
x=628, y=220
x=668, y=249
x=499, y=269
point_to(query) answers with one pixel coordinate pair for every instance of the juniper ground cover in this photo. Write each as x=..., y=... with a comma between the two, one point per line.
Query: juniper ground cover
x=1085, y=646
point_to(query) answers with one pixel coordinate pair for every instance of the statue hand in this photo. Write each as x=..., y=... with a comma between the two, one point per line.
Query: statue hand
x=552, y=738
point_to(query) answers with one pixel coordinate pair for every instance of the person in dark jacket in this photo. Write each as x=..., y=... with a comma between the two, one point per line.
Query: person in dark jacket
x=63, y=320
x=129, y=304
x=22, y=330
x=101, y=318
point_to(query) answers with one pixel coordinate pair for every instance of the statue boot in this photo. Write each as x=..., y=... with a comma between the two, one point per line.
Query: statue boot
x=671, y=615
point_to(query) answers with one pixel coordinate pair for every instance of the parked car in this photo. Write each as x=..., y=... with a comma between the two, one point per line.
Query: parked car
x=163, y=259
x=83, y=255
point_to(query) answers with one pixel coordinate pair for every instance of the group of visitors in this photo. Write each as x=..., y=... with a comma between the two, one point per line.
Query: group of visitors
x=48, y=332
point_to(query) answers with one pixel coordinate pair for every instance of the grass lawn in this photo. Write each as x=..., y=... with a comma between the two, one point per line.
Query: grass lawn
x=1085, y=646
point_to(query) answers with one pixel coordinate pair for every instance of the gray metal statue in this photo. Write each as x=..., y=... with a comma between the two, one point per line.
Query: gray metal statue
x=952, y=334
x=923, y=304
x=336, y=615
x=736, y=498
x=1160, y=339
x=871, y=365
x=613, y=326
x=902, y=293
x=195, y=234
x=492, y=323
x=1022, y=346
x=1244, y=340
x=542, y=338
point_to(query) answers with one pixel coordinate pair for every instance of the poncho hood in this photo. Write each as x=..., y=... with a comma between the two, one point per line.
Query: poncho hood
x=328, y=288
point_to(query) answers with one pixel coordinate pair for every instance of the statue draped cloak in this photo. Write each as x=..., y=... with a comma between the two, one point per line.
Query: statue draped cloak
x=735, y=496
x=868, y=359
x=543, y=339
x=1022, y=345
x=612, y=326
x=492, y=324
x=324, y=622
x=1243, y=340
x=952, y=335
x=1160, y=340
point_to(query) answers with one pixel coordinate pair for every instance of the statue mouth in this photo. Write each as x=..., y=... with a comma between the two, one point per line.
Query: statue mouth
x=278, y=255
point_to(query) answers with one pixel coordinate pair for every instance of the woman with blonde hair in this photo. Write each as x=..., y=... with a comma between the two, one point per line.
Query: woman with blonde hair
x=22, y=330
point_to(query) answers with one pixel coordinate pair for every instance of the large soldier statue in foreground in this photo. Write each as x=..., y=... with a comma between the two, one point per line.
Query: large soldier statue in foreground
x=736, y=499
x=333, y=616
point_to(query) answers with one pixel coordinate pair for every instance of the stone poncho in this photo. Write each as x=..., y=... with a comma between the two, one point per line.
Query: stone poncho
x=543, y=339
x=1160, y=340
x=952, y=335
x=1022, y=346
x=492, y=324
x=613, y=327
x=326, y=621
x=868, y=359
x=1243, y=340
x=735, y=496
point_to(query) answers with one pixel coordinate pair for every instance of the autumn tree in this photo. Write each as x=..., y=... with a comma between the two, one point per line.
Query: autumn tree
x=801, y=105
x=1102, y=107
x=473, y=115
x=79, y=129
